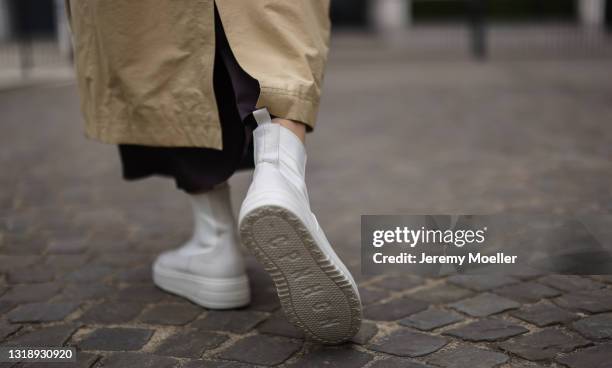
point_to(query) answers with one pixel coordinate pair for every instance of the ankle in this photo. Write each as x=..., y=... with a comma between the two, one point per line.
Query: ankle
x=297, y=128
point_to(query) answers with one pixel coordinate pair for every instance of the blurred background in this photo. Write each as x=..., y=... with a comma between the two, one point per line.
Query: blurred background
x=429, y=107
x=35, y=41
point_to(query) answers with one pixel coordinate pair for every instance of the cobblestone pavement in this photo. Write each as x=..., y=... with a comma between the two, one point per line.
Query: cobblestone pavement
x=394, y=137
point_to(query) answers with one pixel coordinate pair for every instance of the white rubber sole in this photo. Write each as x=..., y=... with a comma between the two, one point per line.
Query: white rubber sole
x=314, y=287
x=212, y=293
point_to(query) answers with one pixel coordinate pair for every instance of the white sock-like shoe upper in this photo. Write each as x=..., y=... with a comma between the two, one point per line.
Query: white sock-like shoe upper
x=214, y=248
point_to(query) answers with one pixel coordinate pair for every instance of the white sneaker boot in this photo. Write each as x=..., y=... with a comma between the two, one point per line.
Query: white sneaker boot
x=209, y=269
x=317, y=292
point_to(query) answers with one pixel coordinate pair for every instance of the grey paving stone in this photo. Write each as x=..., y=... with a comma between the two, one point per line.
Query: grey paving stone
x=527, y=292
x=595, y=357
x=47, y=336
x=171, y=314
x=333, y=358
x=369, y=296
x=7, y=329
x=487, y=330
x=441, y=294
x=134, y=275
x=115, y=339
x=117, y=258
x=570, y=283
x=544, y=314
x=399, y=283
x=207, y=363
x=365, y=334
x=482, y=282
x=239, y=321
x=30, y=275
x=13, y=262
x=394, y=309
x=190, y=343
x=83, y=360
x=65, y=261
x=591, y=301
x=86, y=292
x=484, y=305
x=595, y=327
x=29, y=293
x=141, y=360
x=407, y=343
x=545, y=344
x=468, y=356
x=140, y=293
x=264, y=300
x=278, y=325
x=431, y=319
x=111, y=313
x=394, y=362
x=41, y=312
x=6, y=306
x=89, y=274
x=67, y=246
x=261, y=349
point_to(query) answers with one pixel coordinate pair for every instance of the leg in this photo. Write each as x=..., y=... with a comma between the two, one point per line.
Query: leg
x=316, y=290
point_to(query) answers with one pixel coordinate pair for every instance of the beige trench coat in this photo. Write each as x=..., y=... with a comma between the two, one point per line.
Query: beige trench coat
x=145, y=67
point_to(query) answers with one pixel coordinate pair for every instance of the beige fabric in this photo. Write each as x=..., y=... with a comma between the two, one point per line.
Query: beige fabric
x=145, y=67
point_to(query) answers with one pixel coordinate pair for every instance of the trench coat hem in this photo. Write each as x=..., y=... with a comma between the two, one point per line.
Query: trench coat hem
x=287, y=105
x=203, y=136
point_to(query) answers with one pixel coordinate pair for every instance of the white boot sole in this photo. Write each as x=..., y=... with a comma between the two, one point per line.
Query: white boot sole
x=212, y=293
x=313, y=287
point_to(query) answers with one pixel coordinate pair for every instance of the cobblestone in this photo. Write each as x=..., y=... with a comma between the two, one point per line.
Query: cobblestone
x=398, y=363
x=569, y=283
x=190, y=343
x=431, y=319
x=233, y=321
x=482, y=282
x=407, y=343
x=527, y=292
x=394, y=310
x=29, y=293
x=468, y=356
x=487, y=330
x=46, y=336
x=544, y=314
x=141, y=360
x=370, y=296
x=27, y=275
x=139, y=293
x=594, y=357
x=399, y=283
x=365, y=334
x=333, y=358
x=171, y=314
x=6, y=330
x=278, y=325
x=86, y=292
x=261, y=349
x=41, y=312
x=115, y=339
x=484, y=305
x=441, y=293
x=595, y=327
x=545, y=344
x=111, y=313
x=591, y=301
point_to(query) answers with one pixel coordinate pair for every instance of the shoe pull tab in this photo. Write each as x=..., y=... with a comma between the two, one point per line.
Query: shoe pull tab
x=262, y=116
